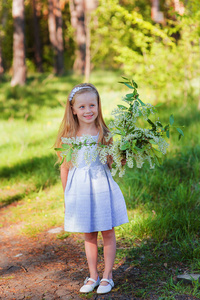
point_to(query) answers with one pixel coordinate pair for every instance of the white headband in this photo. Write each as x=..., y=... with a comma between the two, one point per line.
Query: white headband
x=76, y=89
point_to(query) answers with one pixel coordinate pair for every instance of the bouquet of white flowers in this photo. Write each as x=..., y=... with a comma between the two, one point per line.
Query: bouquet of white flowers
x=136, y=138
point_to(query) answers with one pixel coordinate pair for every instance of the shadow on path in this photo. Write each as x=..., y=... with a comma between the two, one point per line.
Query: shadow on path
x=49, y=268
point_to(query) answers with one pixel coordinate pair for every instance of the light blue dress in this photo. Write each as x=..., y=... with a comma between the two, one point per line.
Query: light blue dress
x=93, y=200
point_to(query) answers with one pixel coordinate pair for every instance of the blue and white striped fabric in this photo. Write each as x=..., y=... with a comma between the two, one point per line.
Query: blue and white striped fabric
x=93, y=200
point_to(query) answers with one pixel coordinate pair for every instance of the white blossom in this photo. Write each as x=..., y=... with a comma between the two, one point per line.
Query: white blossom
x=131, y=140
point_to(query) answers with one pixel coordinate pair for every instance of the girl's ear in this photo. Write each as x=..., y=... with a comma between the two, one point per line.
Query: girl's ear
x=73, y=111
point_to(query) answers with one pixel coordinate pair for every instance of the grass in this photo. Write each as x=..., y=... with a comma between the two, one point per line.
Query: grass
x=154, y=268
x=163, y=204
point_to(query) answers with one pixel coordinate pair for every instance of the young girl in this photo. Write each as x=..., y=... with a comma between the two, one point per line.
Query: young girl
x=93, y=200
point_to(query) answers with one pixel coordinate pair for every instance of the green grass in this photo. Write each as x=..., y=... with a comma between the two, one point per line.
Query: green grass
x=163, y=204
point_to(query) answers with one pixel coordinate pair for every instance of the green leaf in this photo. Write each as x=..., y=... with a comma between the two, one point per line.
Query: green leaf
x=69, y=155
x=65, y=146
x=180, y=131
x=158, y=160
x=134, y=83
x=61, y=161
x=159, y=124
x=59, y=149
x=167, y=133
x=152, y=142
x=129, y=99
x=129, y=95
x=171, y=120
x=158, y=104
x=128, y=85
x=144, y=148
x=139, y=112
x=166, y=127
x=133, y=144
x=122, y=106
x=150, y=122
x=125, y=78
x=137, y=148
x=122, y=133
x=142, y=103
x=158, y=153
x=131, y=129
x=125, y=146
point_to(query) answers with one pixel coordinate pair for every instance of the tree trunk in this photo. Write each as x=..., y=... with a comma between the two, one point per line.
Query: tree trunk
x=80, y=19
x=38, y=52
x=198, y=107
x=59, y=36
x=156, y=15
x=1, y=36
x=90, y=5
x=78, y=22
x=1, y=61
x=88, y=43
x=19, y=64
x=154, y=8
x=179, y=7
x=56, y=34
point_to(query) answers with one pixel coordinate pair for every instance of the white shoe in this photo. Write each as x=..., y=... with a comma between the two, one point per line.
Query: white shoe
x=103, y=289
x=86, y=288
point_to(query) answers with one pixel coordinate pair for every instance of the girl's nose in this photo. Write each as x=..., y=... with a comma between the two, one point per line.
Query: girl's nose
x=88, y=109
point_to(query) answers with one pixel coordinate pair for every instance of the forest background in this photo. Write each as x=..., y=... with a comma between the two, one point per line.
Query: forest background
x=46, y=47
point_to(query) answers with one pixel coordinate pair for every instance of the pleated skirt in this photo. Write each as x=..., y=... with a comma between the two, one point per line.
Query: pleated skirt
x=93, y=200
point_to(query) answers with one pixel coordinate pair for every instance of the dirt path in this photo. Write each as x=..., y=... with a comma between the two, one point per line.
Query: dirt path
x=46, y=268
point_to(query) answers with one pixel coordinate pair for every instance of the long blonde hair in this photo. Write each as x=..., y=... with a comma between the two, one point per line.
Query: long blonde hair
x=69, y=124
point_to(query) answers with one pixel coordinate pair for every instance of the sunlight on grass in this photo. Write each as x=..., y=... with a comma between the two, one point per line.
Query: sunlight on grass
x=163, y=204
x=155, y=199
x=38, y=212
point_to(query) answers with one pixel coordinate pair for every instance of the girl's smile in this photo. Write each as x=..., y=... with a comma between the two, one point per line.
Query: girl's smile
x=86, y=108
x=88, y=117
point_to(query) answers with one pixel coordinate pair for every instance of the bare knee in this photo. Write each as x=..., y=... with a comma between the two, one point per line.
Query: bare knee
x=91, y=237
x=108, y=234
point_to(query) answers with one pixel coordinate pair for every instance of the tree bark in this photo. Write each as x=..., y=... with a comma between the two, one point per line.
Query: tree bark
x=59, y=36
x=19, y=63
x=1, y=36
x=78, y=22
x=90, y=5
x=1, y=61
x=88, y=43
x=179, y=7
x=156, y=15
x=80, y=19
x=56, y=34
x=37, y=47
x=198, y=107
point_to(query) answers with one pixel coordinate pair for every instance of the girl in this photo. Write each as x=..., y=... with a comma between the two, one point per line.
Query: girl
x=93, y=200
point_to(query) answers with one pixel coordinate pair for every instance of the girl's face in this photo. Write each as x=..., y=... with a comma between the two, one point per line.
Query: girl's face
x=86, y=108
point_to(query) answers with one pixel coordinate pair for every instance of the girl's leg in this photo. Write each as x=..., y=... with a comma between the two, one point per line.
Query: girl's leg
x=109, y=252
x=91, y=254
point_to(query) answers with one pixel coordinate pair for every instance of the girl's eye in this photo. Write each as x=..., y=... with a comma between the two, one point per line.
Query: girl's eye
x=92, y=105
x=82, y=106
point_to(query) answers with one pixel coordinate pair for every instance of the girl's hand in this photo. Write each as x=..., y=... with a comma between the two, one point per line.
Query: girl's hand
x=64, y=174
x=109, y=162
x=123, y=162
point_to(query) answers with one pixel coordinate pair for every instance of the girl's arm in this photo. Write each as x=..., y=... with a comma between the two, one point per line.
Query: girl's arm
x=64, y=174
x=109, y=161
x=123, y=162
